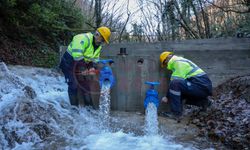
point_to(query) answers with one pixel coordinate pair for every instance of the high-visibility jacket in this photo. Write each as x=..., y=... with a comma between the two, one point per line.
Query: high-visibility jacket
x=81, y=48
x=183, y=68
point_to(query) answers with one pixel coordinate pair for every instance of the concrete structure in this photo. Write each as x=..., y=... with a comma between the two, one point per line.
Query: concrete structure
x=220, y=58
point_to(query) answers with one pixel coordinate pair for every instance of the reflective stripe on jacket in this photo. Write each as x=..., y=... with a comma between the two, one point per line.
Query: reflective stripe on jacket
x=183, y=68
x=81, y=47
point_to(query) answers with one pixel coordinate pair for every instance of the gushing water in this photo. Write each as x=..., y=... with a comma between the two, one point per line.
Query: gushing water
x=16, y=80
x=104, y=106
x=48, y=121
x=151, y=120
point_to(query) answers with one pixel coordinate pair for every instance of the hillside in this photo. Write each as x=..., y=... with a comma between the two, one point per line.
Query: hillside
x=31, y=31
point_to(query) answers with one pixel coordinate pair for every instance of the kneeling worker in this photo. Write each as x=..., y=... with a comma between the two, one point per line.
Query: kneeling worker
x=187, y=81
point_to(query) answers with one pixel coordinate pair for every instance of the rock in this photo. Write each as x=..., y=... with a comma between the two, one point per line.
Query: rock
x=3, y=68
x=246, y=95
x=245, y=120
x=29, y=92
x=236, y=140
x=247, y=136
x=16, y=80
x=211, y=124
x=195, y=121
x=229, y=119
x=202, y=132
x=42, y=130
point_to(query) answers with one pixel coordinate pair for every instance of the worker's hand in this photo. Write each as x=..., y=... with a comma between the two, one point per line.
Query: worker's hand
x=164, y=99
x=92, y=71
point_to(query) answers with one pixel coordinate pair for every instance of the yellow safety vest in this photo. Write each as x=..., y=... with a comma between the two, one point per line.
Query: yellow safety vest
x=81, y=47
x=183, y=68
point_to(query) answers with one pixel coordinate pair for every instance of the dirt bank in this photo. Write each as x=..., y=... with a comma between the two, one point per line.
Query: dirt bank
x=228, y=119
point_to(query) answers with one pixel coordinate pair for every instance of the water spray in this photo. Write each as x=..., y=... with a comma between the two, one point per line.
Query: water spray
x=151, y=95
x=106, y=81
x=151, y=104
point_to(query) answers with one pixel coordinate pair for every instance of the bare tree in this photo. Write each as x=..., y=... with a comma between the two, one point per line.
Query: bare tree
x=205, y=19
x=126, y=22
x=239, y=6
x=170, y=19
x=197, y=19
x=116, y=17
x=98, y=13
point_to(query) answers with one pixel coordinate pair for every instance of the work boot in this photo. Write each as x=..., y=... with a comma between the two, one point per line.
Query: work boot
x=73, y=100
x=172, y=115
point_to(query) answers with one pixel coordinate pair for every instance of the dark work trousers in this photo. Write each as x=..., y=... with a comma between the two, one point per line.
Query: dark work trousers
x=195, y=90
x=83, y=85
x=71, y=70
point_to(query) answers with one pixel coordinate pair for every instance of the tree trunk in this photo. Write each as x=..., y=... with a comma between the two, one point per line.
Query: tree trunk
x=172, y=19
x=197, y=20
x=183, y=22
x=98, y=13
x=205, y=20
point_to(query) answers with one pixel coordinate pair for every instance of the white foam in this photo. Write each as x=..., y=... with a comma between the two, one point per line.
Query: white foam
x=104, y=106
x=74, y=128
x=123, y=141
x=151, y=120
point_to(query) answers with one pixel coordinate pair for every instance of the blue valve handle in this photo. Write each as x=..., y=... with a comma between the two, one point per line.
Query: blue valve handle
x=105, y=61
x=152, y=83
x=151, y=95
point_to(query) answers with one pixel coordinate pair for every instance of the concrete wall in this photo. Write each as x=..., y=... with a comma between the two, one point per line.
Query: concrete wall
x=220, y=58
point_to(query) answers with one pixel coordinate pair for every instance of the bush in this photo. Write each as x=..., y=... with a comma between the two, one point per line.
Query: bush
x=38, y=24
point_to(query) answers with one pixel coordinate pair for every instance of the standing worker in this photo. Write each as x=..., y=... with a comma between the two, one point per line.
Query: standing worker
x=80, y=58
x=187, y=81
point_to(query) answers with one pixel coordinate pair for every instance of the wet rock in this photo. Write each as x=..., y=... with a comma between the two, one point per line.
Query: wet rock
x=29, y=92
x=42, y=130
x=29, y=121
x=10, y=137
x=16, y=80
x=3, y=68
